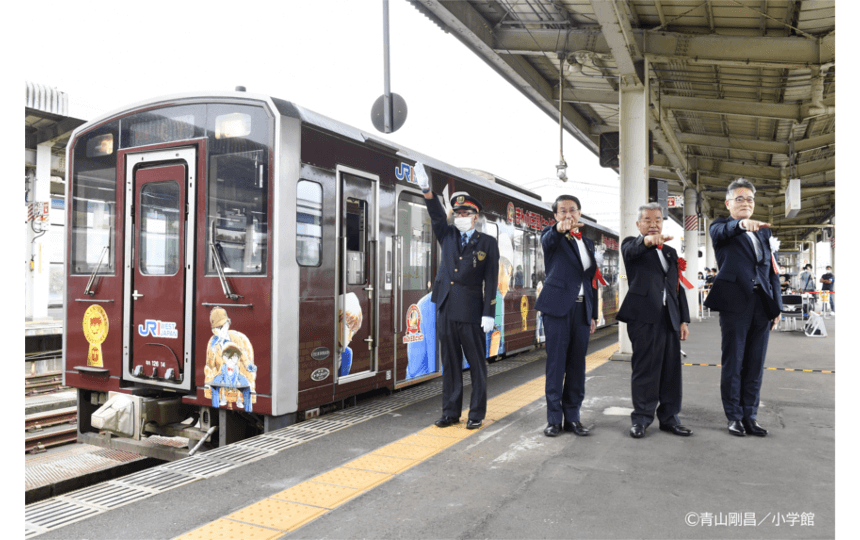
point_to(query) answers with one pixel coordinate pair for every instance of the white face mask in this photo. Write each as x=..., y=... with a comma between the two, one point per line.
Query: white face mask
x=463, y=224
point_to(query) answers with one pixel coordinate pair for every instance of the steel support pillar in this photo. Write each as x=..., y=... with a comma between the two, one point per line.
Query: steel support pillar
x=633, y=167
x=691, y=245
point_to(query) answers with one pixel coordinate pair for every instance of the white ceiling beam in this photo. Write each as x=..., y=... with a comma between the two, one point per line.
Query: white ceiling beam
x=751, y=145
x=779, y=111
x=620, y=39
x=752, y=51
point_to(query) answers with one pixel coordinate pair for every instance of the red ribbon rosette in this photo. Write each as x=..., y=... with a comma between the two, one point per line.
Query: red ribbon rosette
x=682, y=265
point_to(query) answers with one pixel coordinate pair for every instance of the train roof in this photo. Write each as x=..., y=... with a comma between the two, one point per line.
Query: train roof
x=290, y=109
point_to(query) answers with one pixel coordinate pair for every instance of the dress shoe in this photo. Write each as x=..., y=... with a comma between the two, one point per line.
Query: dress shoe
x=753, y=428
x=446, y=421
x=576, y=428
x=473, y=424
x=736, y=428
x=677, y=429
x=552, y=430
x=637, y=431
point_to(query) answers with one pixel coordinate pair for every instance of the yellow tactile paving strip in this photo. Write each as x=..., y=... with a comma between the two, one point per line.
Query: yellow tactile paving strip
x=290, y=509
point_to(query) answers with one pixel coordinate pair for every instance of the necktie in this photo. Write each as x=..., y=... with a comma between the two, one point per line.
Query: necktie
x=660, y=248
x=576, y=234
x=463, y=240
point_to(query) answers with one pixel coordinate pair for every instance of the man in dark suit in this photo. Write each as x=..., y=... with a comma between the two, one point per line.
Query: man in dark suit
x=746, y=293
x=656, y=313
x=568, y=304
x=465, y=296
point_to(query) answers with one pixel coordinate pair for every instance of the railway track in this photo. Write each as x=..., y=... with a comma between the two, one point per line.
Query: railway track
x=48, y=429
x=43, y=383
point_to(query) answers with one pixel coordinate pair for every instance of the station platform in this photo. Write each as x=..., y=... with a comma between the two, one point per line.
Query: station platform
x=383, y=470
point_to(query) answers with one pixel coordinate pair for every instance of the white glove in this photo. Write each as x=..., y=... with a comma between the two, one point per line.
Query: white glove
x=487, y=324
x=421, y=176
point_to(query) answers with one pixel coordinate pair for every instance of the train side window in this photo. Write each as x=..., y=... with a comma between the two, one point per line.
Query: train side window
x=529, y=257
x=308, y=223
x=159, y=229
x=413, y=225
x=519, y=268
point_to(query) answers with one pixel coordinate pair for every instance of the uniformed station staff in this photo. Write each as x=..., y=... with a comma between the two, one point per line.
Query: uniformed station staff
x=465, y=295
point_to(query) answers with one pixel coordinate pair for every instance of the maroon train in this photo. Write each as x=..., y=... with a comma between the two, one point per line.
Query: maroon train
x=235, y=262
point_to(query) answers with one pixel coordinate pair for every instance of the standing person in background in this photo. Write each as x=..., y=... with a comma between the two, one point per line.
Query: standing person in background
x=464, y=294
x=828, y=280
x=568, y=303
x=807, y=279
x=746, y=293
x=709, y=279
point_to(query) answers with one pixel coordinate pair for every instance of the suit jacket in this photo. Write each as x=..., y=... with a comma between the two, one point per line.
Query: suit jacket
x=469, y=279
x=565, y=274
x=646, y=279
x=739, y=270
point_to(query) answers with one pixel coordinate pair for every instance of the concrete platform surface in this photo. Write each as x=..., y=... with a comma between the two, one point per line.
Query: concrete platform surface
x=507, y=480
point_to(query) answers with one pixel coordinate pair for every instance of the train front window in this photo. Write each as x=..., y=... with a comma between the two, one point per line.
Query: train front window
x=238, y=186
x=159, y=229
x=93, y=205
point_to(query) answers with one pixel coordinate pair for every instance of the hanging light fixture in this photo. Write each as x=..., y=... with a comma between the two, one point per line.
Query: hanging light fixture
x=561, y=168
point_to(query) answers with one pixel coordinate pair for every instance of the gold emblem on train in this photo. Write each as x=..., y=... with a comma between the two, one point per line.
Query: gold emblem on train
x=95, y=332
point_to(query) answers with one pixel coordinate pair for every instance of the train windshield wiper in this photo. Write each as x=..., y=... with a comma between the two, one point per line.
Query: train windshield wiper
x=88, y=290
x=214, y=247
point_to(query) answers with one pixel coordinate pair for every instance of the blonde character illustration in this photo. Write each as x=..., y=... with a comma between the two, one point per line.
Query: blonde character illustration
x=524, y=311
x=496, y=338
x=223, y=340
x=349, y=323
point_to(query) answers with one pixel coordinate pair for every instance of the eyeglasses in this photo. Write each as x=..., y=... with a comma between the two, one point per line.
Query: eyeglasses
x=564, y=212
x=463, y=213
x=740, y=200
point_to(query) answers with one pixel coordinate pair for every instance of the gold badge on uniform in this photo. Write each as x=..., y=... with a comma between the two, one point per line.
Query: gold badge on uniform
x=461, y=199
x=482, y=255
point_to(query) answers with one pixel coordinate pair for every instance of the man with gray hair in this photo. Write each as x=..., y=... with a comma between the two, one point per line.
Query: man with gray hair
x=656, y=313
x=746, y=292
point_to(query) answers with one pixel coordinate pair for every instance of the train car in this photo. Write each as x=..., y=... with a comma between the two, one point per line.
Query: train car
x=235, y=262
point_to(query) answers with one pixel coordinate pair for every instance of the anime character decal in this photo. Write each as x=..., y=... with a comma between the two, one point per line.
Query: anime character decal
x=349, y=320
x=420, y=338
x=230, y=373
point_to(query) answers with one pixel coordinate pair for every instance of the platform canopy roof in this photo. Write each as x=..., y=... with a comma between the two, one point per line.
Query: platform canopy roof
x=738, y=87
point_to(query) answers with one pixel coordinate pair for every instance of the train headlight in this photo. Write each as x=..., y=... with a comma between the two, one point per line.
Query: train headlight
x=232, y=125
x=100, y=146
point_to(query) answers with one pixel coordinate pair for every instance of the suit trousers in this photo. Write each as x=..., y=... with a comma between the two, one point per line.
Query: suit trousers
x=656, y=377
x=744, y=346
x=566, y=345
x=458, y=339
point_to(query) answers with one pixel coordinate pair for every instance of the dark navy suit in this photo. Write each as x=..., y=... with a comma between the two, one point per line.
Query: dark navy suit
x=464, y=291
x=746, y=292
x=654, y=329
x=566, y=322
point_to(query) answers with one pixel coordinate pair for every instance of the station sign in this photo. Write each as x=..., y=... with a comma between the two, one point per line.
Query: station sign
x=675, y=201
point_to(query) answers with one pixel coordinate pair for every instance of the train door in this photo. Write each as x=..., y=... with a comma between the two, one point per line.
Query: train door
x=158, y=260
x=357, y=294
x=416, y=355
